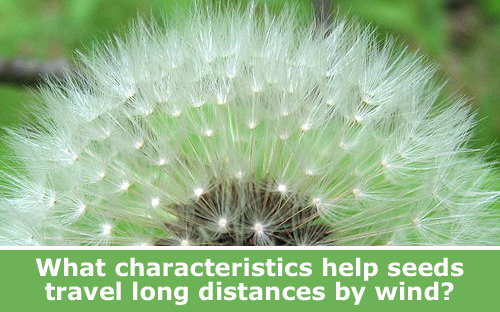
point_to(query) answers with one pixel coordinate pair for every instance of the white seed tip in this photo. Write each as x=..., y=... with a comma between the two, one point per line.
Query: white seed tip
x=162, y=162
x=124, y=186
x=221, y=100
x=107, y=228
x=184, y=242
x=82, y=208
x=155, y=202
x=52, y=201
x=305, y=127
x=259, y=229
x=198, y=191
x=138, y=144
x=282, y=188
x=252, y=125
x=198, y=104
x=416, y=222
x=208, y=133
x=222, y=223
x=309, y=172
x=283, y=136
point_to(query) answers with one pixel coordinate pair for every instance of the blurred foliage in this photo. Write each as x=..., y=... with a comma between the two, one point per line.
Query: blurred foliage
x=463, y=36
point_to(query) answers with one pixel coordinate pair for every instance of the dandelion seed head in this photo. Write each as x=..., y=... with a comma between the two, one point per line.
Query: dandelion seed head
x=233, y=128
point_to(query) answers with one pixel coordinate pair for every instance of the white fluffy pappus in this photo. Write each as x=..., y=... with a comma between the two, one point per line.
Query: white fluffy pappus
x=238, y=128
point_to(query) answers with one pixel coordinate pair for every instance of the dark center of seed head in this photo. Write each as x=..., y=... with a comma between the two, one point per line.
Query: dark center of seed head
x=245, y=214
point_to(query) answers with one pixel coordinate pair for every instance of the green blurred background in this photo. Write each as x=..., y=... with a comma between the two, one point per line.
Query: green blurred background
x=463, y=36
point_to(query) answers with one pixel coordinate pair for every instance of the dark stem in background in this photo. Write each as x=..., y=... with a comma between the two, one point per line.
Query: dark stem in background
x=30, y=72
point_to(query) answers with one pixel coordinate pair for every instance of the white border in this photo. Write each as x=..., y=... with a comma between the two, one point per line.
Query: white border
x=330, y=248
